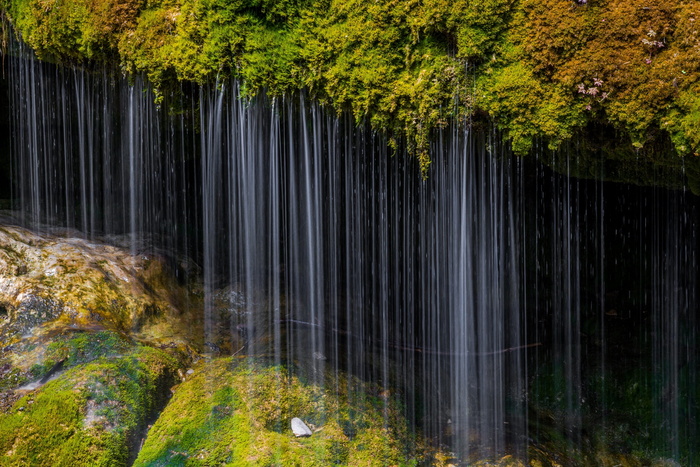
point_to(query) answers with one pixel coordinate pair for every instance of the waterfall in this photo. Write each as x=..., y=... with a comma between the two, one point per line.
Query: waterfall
x=95, y=153
x=499, y=300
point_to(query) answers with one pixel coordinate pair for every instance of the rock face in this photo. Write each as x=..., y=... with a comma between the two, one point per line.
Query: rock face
x=49, y=283
x=75, y=387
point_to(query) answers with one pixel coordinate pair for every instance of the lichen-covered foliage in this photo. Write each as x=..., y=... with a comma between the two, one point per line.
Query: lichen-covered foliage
x=232, y=412
x=94, y=410
x=541, y=69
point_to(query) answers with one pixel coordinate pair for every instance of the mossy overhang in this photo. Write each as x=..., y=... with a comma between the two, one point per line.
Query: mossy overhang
x=540, y=70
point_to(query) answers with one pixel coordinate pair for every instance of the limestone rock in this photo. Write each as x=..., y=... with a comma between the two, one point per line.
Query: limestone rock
x=53, y=282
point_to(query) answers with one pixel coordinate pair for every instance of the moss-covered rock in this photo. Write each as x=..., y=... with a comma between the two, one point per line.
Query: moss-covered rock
x=88, y=404
x=76, y=386
x=238, y=412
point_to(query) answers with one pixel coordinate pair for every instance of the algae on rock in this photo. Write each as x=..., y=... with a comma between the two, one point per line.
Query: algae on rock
x=49, y=283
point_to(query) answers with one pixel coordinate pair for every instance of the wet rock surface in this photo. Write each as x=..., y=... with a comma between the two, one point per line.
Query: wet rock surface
x=77, y=384
x=49, y=283
x=87, y=409
x=95, y=343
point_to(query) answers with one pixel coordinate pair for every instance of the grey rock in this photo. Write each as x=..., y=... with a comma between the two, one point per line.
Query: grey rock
x=300, y=428
x=34, y=311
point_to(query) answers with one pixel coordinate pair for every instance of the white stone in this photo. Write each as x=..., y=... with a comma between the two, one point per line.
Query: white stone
x=300, y=428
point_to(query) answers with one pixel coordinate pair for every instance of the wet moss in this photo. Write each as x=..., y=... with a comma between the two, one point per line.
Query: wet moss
x=93, y=412
x=10, y=377
x=73, y=350
x=230, y=412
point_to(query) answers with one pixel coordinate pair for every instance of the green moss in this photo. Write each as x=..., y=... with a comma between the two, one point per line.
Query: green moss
x=92, y=413
x=70, y=350
x=526, y=109
x=233, y=413
x=85, y=347
x=542, y=70
x=38, y=432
